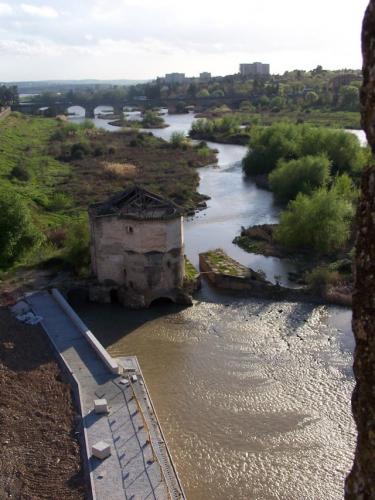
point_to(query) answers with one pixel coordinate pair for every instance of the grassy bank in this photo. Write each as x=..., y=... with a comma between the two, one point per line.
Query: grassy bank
x=59, y=169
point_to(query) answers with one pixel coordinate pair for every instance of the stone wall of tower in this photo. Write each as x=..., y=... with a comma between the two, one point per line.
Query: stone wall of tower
x=145, y=257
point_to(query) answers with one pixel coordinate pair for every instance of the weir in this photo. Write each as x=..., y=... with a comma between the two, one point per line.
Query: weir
x=140, y=465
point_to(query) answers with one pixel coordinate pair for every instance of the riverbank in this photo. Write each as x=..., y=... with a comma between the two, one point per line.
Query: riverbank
x=240, y=138
x=60, y=168
x=40, y=456
x=137, y=124
x=227, y=274
x=329, y=276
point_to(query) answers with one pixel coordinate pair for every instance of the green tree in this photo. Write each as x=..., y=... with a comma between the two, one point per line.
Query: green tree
x=264, y=101
x=17, y=232
x=299, y=176
x=318, y=223
x=268, y=145
x=349, y=98
x=203, y=93
x=311, y=98
x=341, y=147
x=218, y=93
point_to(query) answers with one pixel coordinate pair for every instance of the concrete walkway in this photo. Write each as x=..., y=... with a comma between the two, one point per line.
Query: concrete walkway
x=139, y=466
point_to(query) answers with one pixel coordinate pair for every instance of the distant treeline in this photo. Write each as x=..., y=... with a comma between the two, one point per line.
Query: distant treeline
x=8, y=95
x=294, y=90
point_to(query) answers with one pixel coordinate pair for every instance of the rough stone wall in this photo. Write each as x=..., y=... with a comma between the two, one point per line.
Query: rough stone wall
x=360, y=483
x=144, y=256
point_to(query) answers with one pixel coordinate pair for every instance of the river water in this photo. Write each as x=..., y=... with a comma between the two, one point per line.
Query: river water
x=253, y=396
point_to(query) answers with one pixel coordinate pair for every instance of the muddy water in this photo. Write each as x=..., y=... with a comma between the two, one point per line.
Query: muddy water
x=253, y=396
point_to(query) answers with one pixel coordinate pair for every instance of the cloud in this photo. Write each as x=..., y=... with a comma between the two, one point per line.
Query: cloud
x=5, y=9
x=39, y=10
x=28, y=48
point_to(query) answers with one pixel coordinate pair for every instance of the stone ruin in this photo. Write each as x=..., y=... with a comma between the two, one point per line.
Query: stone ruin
x=137, y=249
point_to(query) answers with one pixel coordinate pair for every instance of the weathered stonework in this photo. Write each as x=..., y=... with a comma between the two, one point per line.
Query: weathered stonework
x=360, y=483
x=137, y=250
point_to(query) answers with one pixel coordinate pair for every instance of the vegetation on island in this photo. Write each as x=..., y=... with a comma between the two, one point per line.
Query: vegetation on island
x=52, y=170
x=315, y=172
x=226, y=129
x=150, y=119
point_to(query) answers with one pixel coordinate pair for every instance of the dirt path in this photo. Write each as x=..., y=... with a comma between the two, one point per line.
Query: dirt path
x=40, y=456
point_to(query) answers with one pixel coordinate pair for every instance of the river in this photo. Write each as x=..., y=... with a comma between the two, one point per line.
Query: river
x=253, y=396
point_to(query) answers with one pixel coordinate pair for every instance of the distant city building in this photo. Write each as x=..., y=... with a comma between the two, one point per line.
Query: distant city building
x=254, y=69
x=175, y=77
x=205, y=76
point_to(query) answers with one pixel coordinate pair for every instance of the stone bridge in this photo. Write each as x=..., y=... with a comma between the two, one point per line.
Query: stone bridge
x=61, y=106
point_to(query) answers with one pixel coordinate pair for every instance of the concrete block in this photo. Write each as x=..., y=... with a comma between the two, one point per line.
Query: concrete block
x=101, y=450
x=100, y=406
x=21, y=307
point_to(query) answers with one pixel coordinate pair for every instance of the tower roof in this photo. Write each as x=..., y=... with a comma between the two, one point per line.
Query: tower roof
x=136, y=203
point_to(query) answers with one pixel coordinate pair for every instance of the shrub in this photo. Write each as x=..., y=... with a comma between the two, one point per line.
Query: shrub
x=87, y=125
x=204, y=152
x=152, y=119
x=17, y=232
x=20, y=172
x=57, y=237
x=79, y=150
x=64, y=131
x=341, y=147
x=268, y=145
x=318, y=223
x=290, y=141
x=177, y=139
x=98, y=151
x=299, y=176
x=321, y=277
x=59, y=201
x=77, y=253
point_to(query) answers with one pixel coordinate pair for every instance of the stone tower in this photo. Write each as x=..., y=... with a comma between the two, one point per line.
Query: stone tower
x=137, y=249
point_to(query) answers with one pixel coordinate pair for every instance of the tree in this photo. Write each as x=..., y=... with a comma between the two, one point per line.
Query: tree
x=203, y=93
x=277, y=103
x=311, y=98
x=318, y=223
x=341, y=147
x=268, y=145
x=349, y=98
x=299, y=176
x=8, y=95
x=264, y=101
x=17, y=232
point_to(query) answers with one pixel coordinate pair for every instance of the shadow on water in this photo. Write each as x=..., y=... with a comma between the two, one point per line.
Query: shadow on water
x=111, y=322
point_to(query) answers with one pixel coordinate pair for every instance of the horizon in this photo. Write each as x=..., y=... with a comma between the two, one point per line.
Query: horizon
x=131, y=80
x=138, y=40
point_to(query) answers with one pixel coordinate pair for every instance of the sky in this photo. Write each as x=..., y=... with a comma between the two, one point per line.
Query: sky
x=143, y=39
